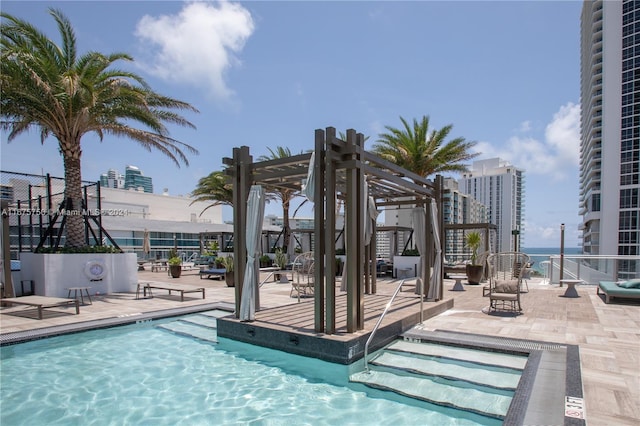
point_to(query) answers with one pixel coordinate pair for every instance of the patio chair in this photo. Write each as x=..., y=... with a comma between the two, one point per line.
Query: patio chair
x=505, y=271
x=302, y=283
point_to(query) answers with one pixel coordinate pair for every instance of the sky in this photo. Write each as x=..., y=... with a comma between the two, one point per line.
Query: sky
x=268, y=73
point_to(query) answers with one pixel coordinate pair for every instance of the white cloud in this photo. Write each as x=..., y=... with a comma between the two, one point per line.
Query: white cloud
x=559, y=149
x=525, y=126
x=198, y=45
x=563, y=133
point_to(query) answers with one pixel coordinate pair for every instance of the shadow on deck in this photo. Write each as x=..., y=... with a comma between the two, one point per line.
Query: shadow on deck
x=290, y=328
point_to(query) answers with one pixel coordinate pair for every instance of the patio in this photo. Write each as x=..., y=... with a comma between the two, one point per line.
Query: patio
x=608, y=334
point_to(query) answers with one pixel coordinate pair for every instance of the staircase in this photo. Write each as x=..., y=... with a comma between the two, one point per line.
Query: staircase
x=201, y=326
x=467, y=379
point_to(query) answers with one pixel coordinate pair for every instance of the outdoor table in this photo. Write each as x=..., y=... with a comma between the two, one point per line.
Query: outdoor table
x=571, y=287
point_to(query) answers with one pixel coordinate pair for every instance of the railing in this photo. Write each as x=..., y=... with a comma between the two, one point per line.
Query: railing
x=591, y=269
x=386, y=308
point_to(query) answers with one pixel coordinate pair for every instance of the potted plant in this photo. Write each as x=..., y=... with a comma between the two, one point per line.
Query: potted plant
x=281, y=262
x=219, y=262
x=265, y=261
x=175, y=266
x=473, y=270
x=228, y=276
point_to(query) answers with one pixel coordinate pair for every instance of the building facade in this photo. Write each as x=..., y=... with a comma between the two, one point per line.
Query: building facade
x=135, y=179
x=610, y=128
x=499, y=186
x=112, y=179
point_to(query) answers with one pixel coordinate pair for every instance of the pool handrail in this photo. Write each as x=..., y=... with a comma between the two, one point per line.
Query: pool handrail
x=386, y=308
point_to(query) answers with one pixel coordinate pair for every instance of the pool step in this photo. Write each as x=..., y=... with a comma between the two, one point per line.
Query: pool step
x=472, y=380
x=196, y=326
x=461, y=354
x=429, y=390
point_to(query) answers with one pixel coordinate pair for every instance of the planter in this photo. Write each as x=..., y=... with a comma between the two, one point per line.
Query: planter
x=406, y=266
x=474, y=274
x=53, y=273
x=175, y=271
x=229, y=279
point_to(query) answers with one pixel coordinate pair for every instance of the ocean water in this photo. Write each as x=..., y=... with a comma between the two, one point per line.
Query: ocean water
x=540, y=254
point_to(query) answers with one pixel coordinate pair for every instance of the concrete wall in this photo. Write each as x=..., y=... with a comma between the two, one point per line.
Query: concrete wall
x=52, y=274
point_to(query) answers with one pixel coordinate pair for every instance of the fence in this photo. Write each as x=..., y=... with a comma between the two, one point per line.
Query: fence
x=32, y=204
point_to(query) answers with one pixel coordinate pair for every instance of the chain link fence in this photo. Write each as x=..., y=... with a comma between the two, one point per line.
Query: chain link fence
x=33, y=203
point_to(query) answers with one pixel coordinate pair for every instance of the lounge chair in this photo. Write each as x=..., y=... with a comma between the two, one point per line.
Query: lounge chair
x=182, y=289
x=42, y=302
x=623, y=289
x=505, y=272
x=213, y=272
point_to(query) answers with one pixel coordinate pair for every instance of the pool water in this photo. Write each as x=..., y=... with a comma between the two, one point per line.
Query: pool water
x=144, y=374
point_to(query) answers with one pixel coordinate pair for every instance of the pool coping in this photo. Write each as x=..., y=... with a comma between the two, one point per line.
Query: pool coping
x=45, y=332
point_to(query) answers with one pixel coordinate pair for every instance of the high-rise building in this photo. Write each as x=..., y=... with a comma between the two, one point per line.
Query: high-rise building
x=610, y=128
x=112, y=179
x=499, y=186
x=134, y=179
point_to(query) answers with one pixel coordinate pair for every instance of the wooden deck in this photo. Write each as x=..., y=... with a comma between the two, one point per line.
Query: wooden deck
x=291, y=327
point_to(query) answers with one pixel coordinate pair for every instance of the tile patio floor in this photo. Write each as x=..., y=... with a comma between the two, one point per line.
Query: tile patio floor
x=608, y=334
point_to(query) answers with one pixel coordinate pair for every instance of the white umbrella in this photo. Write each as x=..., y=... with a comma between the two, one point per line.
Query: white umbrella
x=308, y=188
x=255, y=213
x=417, y=216
x=434, y=289
x=146, y=243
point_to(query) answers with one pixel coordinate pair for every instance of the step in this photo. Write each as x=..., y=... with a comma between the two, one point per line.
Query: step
x=497, y=359
x=203, y=320
x=423, y=388
x=191, y=330
x=505, y=379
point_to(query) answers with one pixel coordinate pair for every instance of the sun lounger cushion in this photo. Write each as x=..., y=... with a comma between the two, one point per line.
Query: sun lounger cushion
x=634, y=283
x=611, y=289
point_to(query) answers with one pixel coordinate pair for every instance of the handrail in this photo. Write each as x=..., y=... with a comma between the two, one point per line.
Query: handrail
x=386, y=308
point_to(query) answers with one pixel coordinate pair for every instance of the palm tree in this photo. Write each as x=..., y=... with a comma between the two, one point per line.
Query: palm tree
x=283, y=194
x=66, y=95
x=424, y=151
x=213, y=188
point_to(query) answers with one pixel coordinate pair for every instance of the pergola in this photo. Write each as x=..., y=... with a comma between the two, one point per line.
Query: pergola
x=342, y=170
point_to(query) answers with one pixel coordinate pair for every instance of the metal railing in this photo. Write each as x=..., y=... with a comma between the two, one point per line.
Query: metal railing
x=591, y=268
x=386, y=308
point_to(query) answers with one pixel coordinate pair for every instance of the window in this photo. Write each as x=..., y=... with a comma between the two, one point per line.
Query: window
x=629, y=198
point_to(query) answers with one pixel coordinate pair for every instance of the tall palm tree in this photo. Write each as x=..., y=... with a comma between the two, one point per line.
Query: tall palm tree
x=283, y=194
x=66, y=95
x=214, y=188
x=424, y=151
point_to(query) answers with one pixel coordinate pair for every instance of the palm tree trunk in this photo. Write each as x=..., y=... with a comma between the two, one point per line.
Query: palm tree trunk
x=285, y=225
x=73, y=195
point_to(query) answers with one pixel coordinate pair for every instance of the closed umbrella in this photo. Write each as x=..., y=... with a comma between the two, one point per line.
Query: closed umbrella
x=419, y=228
x=146, y=243
x=434, y=289
x=255, y=213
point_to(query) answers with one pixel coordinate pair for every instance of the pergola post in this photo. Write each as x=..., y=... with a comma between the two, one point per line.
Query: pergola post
x=319, y=242
x=354, y=233
x=329, y=227
x=242, y=161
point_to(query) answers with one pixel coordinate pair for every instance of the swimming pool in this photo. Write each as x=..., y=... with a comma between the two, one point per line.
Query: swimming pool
x=144, y=374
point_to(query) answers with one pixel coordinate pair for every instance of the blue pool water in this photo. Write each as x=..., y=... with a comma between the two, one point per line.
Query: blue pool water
x=143, y=374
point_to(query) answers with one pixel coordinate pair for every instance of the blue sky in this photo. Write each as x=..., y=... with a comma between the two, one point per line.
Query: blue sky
x=267, y=74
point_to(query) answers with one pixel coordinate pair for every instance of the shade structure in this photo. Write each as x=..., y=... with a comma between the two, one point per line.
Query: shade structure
x=434, y=288
x=255, y=214
x=146, y=242
x=419, y=228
